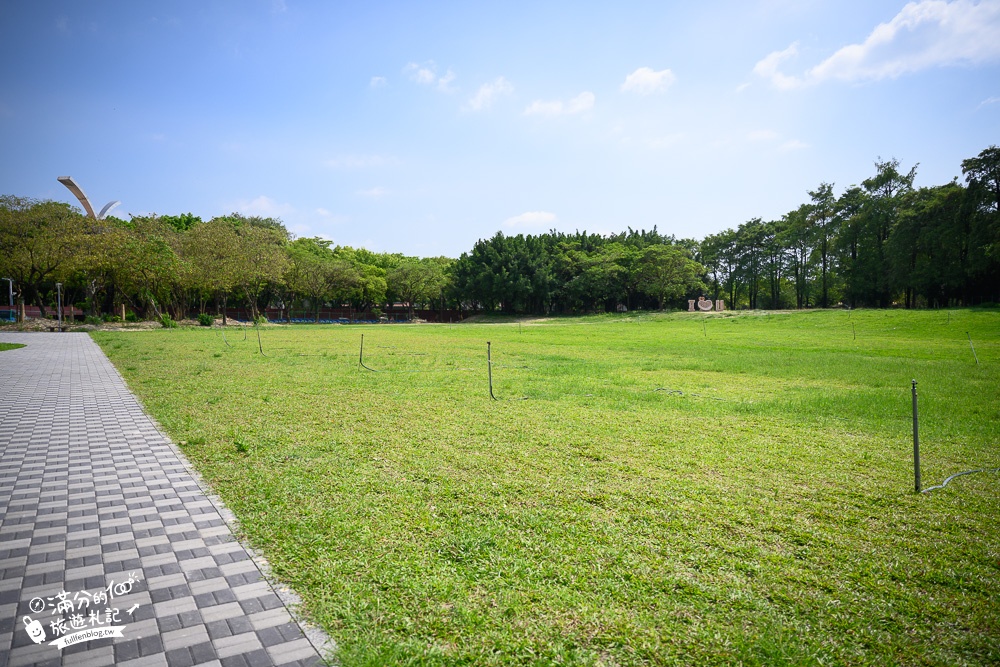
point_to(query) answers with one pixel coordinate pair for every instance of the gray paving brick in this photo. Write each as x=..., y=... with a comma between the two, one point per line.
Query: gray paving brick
x=93, y=493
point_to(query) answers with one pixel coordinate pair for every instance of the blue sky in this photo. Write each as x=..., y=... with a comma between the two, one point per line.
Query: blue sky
x=420, y=129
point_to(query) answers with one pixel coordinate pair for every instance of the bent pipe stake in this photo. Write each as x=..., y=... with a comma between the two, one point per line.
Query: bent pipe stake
x=223, y=330
x=259, y=346
x=361, y=356
x=973, y=348
x=489, y=369
x=916, y=443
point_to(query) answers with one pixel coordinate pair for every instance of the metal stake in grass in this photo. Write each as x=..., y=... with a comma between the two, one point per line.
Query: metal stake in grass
x=489, y=369
x=704, y=326
x=361, y=356
x=854, y=331
x=973, y=348
x=260, y=346
x=916, y=443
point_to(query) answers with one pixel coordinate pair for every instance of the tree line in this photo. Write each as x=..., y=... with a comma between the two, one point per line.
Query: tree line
x=881, y=243
x=180, y=265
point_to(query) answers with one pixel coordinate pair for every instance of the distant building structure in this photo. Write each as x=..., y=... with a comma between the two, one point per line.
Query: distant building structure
x=78, y=193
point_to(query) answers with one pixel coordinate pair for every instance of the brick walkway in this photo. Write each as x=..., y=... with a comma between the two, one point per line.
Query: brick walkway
x=96, y=503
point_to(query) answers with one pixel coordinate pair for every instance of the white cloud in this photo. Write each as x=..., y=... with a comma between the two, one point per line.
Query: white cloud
x=645, y=81
x=582, y=102
x=743, y=86
x=444, y=82
x=925, y=34
x=373, y=193
x=426, y=75
x=377, y=82
x=762, y=135
x=988, y=101
x=420, y=73
x=531, y=219
x=361, y=161
x=265, y=207
x=278, y=6
x=768, y=68
x=488, y=93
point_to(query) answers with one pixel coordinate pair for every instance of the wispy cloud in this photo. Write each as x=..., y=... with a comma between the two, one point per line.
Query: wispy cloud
x=426, y=75
x=377, y=82
x=488, y=93
x=362, y=161
x=530, y=219
x=645, y=81
x=373, y=193
x=582, y=102
x=925, y=34
x=988, y=101
x=265, y=207
x=768, y=68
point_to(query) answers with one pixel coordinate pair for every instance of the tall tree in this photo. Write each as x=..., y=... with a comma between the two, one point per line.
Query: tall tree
x=822, y=222
x=667, y=272
x=37, y=242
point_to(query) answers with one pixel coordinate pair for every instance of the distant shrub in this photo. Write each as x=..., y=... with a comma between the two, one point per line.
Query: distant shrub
x=131, y=317
x=261, y=320
x=111, y=318
x=167, y=321
x=90, y=319
x=205, y=320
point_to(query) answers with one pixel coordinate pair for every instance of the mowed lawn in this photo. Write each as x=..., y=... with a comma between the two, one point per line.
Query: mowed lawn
x=649, y=489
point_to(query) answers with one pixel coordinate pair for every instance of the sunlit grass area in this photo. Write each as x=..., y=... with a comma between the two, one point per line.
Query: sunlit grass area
x=649, y=489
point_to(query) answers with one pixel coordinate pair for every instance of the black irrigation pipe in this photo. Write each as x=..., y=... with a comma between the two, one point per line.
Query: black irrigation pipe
x=959, y=474
x=678, y=392
x=361, y=362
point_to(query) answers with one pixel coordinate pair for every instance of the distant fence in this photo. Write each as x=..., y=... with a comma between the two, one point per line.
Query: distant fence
x=347, y=315
x=8, y=314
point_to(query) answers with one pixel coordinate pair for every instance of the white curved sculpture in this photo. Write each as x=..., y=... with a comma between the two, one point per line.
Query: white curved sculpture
x=78, y=193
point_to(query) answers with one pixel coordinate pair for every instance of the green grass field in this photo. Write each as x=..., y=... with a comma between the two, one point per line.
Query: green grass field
x=675, y=489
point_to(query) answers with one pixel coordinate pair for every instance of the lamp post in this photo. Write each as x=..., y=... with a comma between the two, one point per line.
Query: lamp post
x=59, y=303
